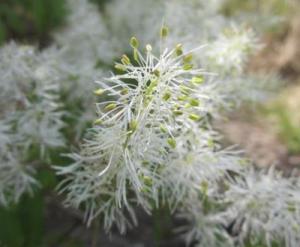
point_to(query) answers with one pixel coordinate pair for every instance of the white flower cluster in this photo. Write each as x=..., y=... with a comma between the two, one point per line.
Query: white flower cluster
x=151, y=142
x=30, y=116
x=254, y=208
x=153, y=145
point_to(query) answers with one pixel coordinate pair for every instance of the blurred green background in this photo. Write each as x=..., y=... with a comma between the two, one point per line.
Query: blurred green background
x=31, y=21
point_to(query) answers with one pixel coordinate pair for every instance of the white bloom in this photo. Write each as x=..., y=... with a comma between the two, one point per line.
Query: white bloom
x=206, y=228
x=152, y=140
x=85, y=38
x=30, y=116
x=230, y=50
x=15, y=179
x=265, y=206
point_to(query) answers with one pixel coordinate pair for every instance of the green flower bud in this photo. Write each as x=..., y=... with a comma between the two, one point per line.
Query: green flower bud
x=99, y=91
x=125, y=60
x=156, y=72
x=188, y=58
x=182, y=97
x=147, y=181
x=172, y=142
x=187, y=66
x=110, y=106
x=120, y=67
x=134, y=42
x=194, y=117
x=124, y=91
x=163, y=128
x=98, y=121
x=177, y=112
x=167, y=96
x=133, y=125
x=194, y=102
x=178, y=50
x=164, y=31
x=197, y=80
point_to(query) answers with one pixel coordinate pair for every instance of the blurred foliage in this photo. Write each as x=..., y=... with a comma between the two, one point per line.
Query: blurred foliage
x=276, y=7
x=33, y=20
x=100, y=3
x=289, y=132
x=285, y=116
x=22, y=225
x=272, y=14
x=30, y=20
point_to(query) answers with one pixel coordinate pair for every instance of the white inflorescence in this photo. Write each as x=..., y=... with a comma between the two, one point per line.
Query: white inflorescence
x=29, y=117
x=153, y=145
x=152, y=141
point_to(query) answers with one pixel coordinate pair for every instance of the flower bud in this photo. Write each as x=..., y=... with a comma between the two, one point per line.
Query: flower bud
x=134, y=42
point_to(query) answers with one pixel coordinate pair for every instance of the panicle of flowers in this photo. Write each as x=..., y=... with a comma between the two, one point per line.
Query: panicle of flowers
x=264, y=206
x=152, y=141
x=30, y=116
x=247, y=207
x=230, y=51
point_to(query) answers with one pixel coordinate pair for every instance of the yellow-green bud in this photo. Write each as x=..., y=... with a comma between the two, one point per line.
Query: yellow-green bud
x=178, y=50
x=156, y=72
x=151, y=87
x=99, y=91
x=187, y=66
x=194, y=102
x=147, y=181
x=194, y=117
x=124, y=91
x=98, y=121
x=197, y=80
x=164, y=31
x=188, y=58
x=172, y=142
x=177, y=112
x=133, y=125
x=120, y=67
x=163, y=128
x=182, y=97
x=134, y=42
x=110, y=106
x=167, y=96
x=125, y=60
